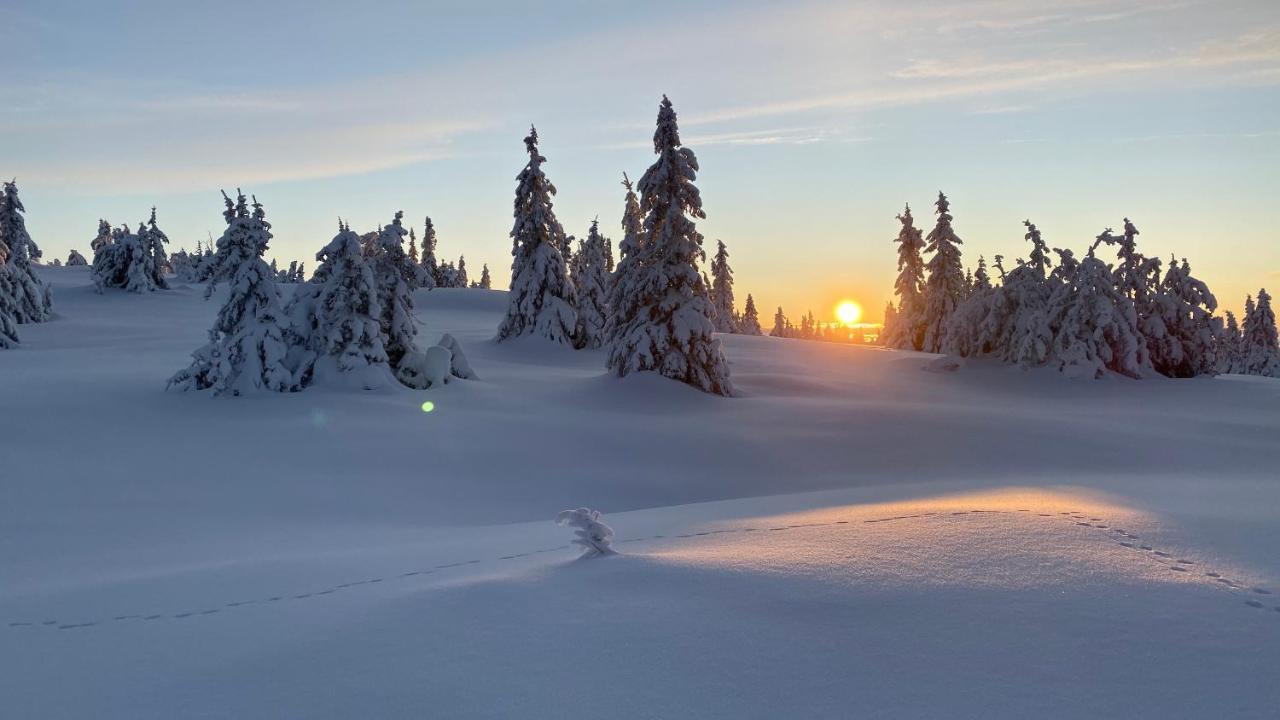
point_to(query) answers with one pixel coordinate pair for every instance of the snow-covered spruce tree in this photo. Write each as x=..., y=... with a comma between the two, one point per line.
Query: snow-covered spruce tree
x=1020, y=316
x=974, y=326
x=628, y=247
x=204, y=263
x=393, y=276
x=183, y=266
x=590, y=285
x=152, y=240
x=75, y=259
x=945, y=286
x=140, y=273
x=431, y=270
x=970, y=330
x=1095, y=326
x=632, y=224
x=132, y=261
x=663, y=321
x=461, y=280
x=1261, y=350
x=1230, y=346
x=907, y=330
x=33, y=302
x=780, y=324
x=8, y=303
x=486, y=283
x=413, y=249
x=722, y=290
x=1187, y=344
x=447, y=274
x=343, y=328
x=981, y=279
x=246, y=351
x=103, y=238
x=542, y=299
x=112, y=261
x=1131, y=277
x=890, y=317
x=749, y=324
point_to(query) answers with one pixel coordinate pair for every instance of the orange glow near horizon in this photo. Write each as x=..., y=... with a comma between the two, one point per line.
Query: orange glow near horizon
x=848, y=312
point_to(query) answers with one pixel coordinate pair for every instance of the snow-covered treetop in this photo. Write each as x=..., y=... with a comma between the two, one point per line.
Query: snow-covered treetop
x=1039, y=258
x=910, y=265
x=535, y=219
x=981, y=280
x=246, y=237
x=632, y=222
x=672, y=177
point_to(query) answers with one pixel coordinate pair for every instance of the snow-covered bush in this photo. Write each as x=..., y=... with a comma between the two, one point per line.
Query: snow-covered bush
x=661, y=320
x=459, y=365
x=593, y=536
x=75, y=259
x=542, y=299
x=438, y=365
x=424, y=369
x=247, y=350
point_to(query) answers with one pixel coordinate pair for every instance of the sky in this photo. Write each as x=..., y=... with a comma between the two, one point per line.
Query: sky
x=813, y=124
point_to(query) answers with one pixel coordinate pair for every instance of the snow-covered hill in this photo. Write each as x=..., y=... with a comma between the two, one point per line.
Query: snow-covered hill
x=853, y=536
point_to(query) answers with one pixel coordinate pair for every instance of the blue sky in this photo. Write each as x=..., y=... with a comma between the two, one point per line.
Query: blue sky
x=813, y=122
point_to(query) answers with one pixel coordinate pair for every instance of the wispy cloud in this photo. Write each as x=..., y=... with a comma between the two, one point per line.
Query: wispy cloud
x=1000, y=110
x=934, y=79
x=1246, y=135
x=772, y=136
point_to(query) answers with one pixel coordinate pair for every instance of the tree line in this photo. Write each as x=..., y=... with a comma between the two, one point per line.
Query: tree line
x=1081, y=316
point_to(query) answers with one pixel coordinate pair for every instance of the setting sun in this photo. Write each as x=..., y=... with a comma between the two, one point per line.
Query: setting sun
x=848, y=312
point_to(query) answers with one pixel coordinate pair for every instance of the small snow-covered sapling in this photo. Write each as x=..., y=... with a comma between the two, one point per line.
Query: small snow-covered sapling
x=595, y=537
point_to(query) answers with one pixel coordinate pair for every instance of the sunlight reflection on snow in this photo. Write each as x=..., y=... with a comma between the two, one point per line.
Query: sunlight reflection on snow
x=1012, y=538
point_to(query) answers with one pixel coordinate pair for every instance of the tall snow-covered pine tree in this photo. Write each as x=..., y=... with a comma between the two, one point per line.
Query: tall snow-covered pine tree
x=945, y=286
x=541, y=300
x=663, y=323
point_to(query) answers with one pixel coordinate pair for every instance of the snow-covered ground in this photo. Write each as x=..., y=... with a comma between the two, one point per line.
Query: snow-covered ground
x=853, y=536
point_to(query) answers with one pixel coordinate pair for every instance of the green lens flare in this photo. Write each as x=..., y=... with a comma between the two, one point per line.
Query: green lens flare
x=428, y=406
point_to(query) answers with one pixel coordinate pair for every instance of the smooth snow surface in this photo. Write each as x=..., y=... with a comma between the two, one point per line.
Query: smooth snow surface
x=851, y=536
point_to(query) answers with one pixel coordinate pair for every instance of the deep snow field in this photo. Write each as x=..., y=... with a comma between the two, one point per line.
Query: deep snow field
x=854, y=536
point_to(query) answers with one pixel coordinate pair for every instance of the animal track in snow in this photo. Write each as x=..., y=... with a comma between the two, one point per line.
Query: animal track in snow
x=1074, y=517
